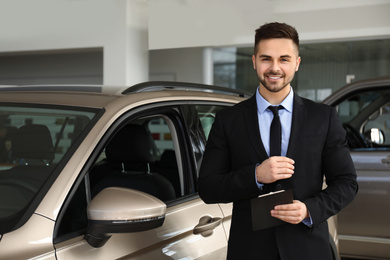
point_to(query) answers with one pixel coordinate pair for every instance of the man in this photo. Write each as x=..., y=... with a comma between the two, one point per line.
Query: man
x=237, y=167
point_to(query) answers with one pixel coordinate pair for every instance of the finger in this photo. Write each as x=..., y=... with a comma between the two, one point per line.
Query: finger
x=288, y=219
x=283, y=176
x=295, y=205
x=290, y=206
x=283, y=173
x=282, y=159
x=290, y=216
x=281, y=168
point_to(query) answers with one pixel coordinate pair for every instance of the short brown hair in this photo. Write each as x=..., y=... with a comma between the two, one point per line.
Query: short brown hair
x=276, y=30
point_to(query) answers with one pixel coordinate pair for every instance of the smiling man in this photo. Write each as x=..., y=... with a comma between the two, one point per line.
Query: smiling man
x=242, y=162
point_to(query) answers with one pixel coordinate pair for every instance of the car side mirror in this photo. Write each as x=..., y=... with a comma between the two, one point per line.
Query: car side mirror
x=376, y=135
x=121, y=210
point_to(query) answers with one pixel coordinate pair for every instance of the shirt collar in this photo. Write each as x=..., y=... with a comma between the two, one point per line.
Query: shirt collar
x=263, y=104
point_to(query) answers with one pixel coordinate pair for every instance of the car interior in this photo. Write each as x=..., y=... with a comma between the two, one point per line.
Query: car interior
x=32, y=143
x=33, y=149
x=130, y=163
x=364, y=116
x=140, y=159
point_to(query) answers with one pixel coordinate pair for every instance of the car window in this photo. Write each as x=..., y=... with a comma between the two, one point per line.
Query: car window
x=199, y=119
x=206, y=115
x=377, y=127
x=352, y=106
x=365, y=116
x=147, y=153
x=33, y=141
x=143, y=154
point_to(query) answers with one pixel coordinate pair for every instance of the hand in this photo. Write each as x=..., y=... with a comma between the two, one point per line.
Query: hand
x=292, y=213
x=275, y=168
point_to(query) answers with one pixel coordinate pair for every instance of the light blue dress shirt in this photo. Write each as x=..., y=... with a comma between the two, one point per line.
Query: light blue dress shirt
x=265, y=117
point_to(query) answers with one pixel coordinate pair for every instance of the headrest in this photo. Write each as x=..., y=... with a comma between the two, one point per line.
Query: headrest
x=168, y=159
x=131, y=144
x=33, y=142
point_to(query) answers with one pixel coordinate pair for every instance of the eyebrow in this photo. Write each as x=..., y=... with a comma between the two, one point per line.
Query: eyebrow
x=267, y=56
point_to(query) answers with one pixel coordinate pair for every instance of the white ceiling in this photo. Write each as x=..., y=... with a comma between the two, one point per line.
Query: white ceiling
x=196, y=23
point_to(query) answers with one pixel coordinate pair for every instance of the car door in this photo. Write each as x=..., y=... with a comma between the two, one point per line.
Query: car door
x=191, y=229
x=206, y=112
x=363, y=225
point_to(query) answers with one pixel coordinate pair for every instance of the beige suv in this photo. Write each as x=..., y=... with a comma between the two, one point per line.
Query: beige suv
x=88, y=175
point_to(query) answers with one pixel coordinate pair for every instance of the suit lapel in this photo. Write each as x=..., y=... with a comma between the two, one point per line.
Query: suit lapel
x=251, y=121
x=298, y=124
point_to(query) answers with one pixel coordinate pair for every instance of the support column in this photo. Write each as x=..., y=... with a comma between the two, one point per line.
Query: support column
x=126, y=60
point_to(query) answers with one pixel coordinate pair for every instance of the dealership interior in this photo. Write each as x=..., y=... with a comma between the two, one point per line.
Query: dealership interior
x=121, y=43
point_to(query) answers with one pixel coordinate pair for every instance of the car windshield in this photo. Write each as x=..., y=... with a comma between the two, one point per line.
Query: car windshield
x=33, y=142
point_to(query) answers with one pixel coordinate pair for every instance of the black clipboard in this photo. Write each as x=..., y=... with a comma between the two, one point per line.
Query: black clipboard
x=262, y=206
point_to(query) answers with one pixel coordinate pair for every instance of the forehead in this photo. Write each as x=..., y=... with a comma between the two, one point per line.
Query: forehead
x=277, y=47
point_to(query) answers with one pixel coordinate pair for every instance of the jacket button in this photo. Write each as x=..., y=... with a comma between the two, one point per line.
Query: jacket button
x=278, y=187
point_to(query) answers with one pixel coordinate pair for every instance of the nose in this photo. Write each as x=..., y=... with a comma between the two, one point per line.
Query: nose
x=274, y=67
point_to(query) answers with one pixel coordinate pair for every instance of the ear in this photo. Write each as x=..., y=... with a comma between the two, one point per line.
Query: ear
x=298, y=62
x=254, y=61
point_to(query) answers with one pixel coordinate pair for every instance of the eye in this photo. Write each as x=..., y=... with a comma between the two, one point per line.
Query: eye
x=285, y=59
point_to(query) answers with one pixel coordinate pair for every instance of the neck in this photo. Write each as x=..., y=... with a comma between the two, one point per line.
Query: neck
x=274, y=98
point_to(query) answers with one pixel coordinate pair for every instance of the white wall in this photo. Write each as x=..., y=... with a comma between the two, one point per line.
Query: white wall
x=195, y=23
x=179, y=28
x=186, y=64
x=119, y=27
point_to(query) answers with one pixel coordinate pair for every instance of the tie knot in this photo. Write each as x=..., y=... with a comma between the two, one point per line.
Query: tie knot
x=275, y=109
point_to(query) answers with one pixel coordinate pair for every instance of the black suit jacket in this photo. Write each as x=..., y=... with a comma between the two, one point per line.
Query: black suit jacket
x=318, y=147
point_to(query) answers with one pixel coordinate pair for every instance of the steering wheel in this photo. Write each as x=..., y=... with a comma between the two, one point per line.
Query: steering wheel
x=355, y=140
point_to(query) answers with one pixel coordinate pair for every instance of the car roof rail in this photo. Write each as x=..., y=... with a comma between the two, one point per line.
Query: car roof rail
x=173, y=85
x=53, y=88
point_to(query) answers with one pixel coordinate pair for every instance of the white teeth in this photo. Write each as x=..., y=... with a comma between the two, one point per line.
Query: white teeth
x=274, y=77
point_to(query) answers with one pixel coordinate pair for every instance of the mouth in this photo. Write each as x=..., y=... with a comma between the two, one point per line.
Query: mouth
x=274, y=77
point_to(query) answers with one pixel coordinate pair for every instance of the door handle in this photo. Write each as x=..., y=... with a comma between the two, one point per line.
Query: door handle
x=206, y=226
x=386, y=160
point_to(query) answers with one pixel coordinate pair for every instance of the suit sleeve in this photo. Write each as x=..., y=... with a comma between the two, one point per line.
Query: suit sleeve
x=218, y=182
x=339, y=171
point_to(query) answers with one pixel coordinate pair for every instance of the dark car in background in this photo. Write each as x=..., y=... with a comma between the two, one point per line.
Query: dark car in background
x=364, y=109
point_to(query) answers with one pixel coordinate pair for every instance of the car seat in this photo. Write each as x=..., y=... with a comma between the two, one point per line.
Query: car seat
x=33, y=148
x=129, y=156
x=33, y=145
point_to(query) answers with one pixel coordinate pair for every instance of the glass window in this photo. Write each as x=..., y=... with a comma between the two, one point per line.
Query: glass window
x=325, y=67
x=366, y=117
x=33, y=140
x=146, y=154
x=199, y=119
x=142, y=155
x=354, y=105
x=377, y=128
x=206, y=115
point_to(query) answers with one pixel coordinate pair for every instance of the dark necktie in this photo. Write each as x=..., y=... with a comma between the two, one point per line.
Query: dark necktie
x=275, y=144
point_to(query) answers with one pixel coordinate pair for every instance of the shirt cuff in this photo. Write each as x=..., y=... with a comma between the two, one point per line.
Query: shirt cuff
x=308, y=221
x=259, y=185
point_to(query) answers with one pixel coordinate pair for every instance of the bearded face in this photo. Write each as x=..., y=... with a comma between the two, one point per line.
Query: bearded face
x=276, y=62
